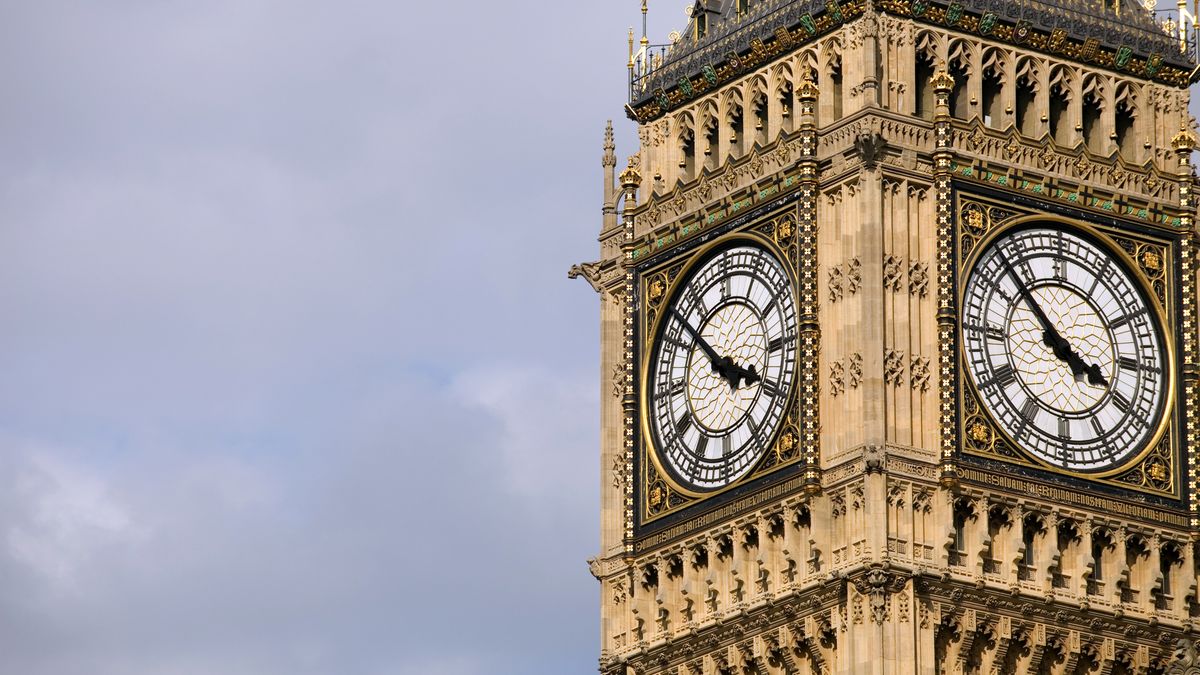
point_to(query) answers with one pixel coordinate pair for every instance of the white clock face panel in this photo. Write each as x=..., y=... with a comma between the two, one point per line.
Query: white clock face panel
x=722, y=367
x=1064, y=348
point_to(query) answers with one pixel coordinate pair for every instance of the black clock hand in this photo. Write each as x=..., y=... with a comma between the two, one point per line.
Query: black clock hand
x=713, y=357
x=1051, y=337
x=721, y=365
x=735, y=373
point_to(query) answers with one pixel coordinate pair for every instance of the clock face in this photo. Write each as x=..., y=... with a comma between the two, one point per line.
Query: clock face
x=1064, y=348
x=722, y=367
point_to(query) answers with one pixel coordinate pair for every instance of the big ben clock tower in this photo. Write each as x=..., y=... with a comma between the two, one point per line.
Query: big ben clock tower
x=899, y=343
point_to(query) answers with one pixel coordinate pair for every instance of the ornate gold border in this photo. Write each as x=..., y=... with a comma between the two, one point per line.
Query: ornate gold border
x=775, y=232
x=980, y=222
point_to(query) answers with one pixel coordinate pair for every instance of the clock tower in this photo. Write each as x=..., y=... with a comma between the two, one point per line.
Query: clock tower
x=899, y=343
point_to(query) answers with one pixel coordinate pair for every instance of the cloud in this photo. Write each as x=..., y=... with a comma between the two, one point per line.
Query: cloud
x=69, y=513
x=544, y=420
x=294, y=380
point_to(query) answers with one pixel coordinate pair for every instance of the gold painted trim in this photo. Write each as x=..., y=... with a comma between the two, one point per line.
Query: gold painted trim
x=1165, y=337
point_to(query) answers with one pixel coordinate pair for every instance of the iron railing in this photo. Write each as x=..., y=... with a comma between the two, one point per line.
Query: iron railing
x=1171, y=32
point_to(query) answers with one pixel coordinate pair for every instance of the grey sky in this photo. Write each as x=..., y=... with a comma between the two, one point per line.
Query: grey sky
x=293, y=378
x=294, y=381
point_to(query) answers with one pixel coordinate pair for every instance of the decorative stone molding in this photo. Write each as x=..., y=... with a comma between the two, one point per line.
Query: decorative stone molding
x=854, y=371
x=919, y=374
x=837, y=378
x=837, y=282
x=893, y=367
x=853, y=275
x=893, y=270
x=918, y=279
x=878, y=585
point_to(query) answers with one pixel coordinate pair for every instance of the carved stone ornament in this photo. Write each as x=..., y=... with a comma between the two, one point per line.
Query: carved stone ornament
x=874, y=459
x=893, y=269
x=855, y=371
x=589, y=271
x=893, y=367
x=919, y=374
x=870, y=147
x=918, y=279
x=1186, y=659
x=853, y=275
x=837, y=378
x=836, y=283
x=878, y=585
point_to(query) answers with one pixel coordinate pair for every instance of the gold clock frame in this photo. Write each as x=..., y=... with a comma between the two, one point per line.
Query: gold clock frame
x=1158, y=467
x=659, y=495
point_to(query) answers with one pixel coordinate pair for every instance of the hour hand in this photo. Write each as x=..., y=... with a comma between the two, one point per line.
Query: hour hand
x=735, y=373
x=723, y=366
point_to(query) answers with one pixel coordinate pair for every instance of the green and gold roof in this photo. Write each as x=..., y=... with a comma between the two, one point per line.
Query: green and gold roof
x=1122, y=37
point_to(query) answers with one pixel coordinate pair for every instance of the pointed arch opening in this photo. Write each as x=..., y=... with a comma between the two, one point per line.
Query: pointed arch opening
x=1027, y=120
x=992, y=89
x=960, y=69
x=1057, y=112
x=735, y=124
x=1125, y=120
x=1091, y=120
x=687, y=148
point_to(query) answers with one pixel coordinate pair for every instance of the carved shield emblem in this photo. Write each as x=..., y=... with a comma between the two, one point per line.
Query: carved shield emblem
x=1123, y=56
x=987, y=23
x=953, y=13
x=1022, y=31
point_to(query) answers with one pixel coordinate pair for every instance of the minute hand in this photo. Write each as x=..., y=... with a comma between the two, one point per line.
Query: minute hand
x=713, y=357
x=1051, y=337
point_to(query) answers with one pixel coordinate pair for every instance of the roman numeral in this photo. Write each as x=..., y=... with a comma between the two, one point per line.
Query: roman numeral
x=777, y=344
x=1002, y=377
x=726, y=446
x=770, y=387
x=677, y=342
x=1121, y=401
x=995, y=333
x=1098, y=429
x=676, y=387
x=1030, y=410
x=726, y=287
x=1128, y=363
x=697, y=300
x=757, y=432
x=701, y=445
x=683, y=424
x=1064, y=428
x=1125, y=319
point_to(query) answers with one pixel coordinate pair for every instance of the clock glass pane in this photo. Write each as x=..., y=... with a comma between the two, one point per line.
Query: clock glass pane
x=722, y=367
x=1064, y=348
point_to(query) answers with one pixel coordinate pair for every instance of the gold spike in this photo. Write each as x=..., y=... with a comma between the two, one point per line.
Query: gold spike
x=645, y=40
x=631, y=48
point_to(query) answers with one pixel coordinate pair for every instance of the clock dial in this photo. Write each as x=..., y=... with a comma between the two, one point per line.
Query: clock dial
x=1064, y=348
x=722, y=367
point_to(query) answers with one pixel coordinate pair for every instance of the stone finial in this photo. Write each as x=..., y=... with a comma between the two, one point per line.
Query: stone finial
x=942, y=81
x=610, y=146
x=630, y=178
x=808, y=90
x=1184, y=141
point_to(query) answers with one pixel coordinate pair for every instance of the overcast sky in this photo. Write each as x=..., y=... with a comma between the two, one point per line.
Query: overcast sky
x=293, y=379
